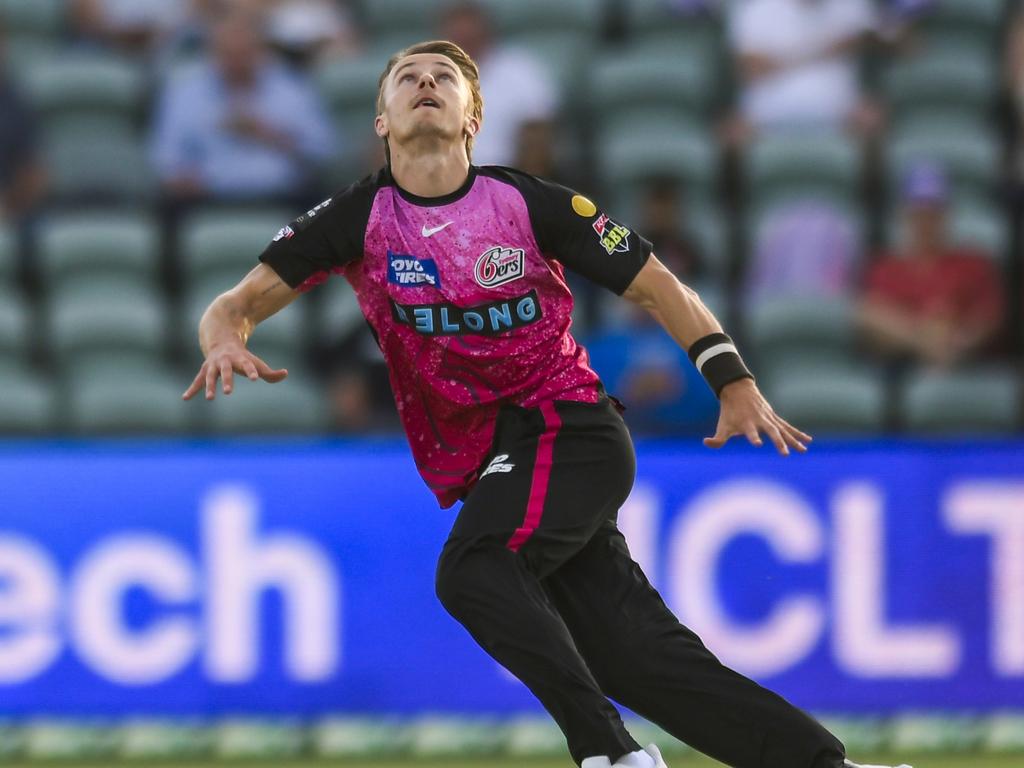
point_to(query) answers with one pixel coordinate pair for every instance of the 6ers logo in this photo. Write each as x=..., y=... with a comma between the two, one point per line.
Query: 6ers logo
x=499, y=265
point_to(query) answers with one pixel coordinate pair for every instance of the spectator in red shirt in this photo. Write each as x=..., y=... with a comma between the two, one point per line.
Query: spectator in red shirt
x=930, y=301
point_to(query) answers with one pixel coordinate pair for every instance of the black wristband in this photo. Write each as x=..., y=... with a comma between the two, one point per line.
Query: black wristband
x=718, y=361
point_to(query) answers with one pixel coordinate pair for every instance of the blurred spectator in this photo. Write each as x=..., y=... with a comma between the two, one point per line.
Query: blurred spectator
x=518, y=91
x=807, y=248
x=22, y=179
x=306, y=30
x=239, y=125
x=643, y=365
x=130, y=26
x=797, y=62
x=929, y=301
x=663, y=221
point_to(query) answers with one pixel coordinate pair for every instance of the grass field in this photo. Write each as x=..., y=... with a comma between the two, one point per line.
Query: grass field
x=917, y=761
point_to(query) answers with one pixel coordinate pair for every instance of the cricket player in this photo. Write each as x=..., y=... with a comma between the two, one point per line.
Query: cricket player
x=459, y=270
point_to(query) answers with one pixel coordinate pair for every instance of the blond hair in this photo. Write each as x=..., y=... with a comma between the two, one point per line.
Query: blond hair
x=459, y=58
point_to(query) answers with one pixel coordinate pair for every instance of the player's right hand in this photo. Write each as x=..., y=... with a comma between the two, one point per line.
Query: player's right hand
x=224, y=361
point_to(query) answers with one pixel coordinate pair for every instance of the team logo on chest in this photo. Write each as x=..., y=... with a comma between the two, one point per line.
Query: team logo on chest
x=499, y=265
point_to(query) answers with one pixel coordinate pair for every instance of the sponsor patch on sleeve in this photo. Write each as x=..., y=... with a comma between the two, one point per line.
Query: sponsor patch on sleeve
x=284, y=233
x=613, y=237
x=583, y=206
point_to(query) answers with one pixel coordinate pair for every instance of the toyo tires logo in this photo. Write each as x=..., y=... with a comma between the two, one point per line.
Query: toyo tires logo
x=498, y=266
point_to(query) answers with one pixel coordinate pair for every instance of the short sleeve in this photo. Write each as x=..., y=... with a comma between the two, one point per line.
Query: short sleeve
x=571, y=229
x=323, y=239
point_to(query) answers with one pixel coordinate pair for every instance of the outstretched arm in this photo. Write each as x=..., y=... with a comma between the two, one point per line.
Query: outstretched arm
x=226, y=326
x=680, y=311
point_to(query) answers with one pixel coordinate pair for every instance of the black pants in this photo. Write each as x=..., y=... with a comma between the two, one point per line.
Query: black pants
x=537, y=571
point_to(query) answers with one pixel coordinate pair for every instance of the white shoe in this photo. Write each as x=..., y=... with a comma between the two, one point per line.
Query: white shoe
x=847, y=763
x=648, y=758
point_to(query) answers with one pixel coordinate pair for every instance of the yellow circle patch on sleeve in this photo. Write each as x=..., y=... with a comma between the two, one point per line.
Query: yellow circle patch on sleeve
x=582, y=206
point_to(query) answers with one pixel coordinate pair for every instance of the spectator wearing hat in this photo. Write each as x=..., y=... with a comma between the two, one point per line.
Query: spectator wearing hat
x=929, y=301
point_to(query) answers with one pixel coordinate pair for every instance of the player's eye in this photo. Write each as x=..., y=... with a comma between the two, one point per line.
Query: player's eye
x=405, y=77
x=445, y=74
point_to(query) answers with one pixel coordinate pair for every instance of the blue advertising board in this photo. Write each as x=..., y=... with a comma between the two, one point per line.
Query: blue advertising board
x=275, y=577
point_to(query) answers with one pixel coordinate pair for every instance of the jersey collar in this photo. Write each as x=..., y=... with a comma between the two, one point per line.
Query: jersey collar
x=432, y=202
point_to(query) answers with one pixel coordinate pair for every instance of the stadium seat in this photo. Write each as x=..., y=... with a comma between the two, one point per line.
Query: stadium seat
x=643, y=76
x=8, y=256
x=942, y=78
x=91, y=167
x=655, y=22
x=29, y=402
x=39, y=18
x=828, y=399
x=967, y=150
x=979, y=400
x=566, y=54
x=801, y=325
x=580, y=16
x=406, y=17
x=87, y=85
x=15, y=325
x=981, y=15
x=631, y=149
x=216, y=240
x=23, y=53
x=295, y=405
x=106, y=315
x=813, y=163
x=104, y=242
x=339, y=312
x=349, y=83
x=127, y=398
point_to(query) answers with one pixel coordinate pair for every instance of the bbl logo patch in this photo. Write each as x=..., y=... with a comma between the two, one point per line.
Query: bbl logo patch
x=410, y=271
x=614, y=237
x=499, y=265
x=284, y=233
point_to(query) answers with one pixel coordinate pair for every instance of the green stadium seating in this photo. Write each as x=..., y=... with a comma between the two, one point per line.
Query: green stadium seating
x=85, y=166
x=295, y=405
x=631, y=149
x=105, y=315
x=975, y=401
x=969, y=153
x=8, y=256
x=29, y=401
x=86, y=85
x=23, y=53
x=672, y=78
x=813, y=163
x=216, y=240
x=583, y=17
x=565, y=54
x=942, y=77
x=127, y=398
x=348, y=84
x=15, y=325
x=822, y=327
x=40, y=18
x=829, y=399
x=103, y=242
x=981, y=15
x=339, y=313
x=390, y=17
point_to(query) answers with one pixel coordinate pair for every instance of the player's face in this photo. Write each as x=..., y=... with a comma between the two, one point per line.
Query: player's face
x=425, y=96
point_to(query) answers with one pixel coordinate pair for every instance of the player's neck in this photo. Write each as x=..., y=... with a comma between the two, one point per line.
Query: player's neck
x=435, y=172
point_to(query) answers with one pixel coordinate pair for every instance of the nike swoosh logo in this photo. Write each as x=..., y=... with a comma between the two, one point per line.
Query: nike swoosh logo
x=433, y=231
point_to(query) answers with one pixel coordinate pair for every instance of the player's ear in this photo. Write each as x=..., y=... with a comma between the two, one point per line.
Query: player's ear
x=380, y=126
x=472, y=126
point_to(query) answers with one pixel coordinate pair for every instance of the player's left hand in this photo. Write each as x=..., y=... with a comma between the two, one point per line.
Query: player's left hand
x=744, y=411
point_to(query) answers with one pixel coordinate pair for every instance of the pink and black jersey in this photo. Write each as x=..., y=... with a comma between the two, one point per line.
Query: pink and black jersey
x=467, y=298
